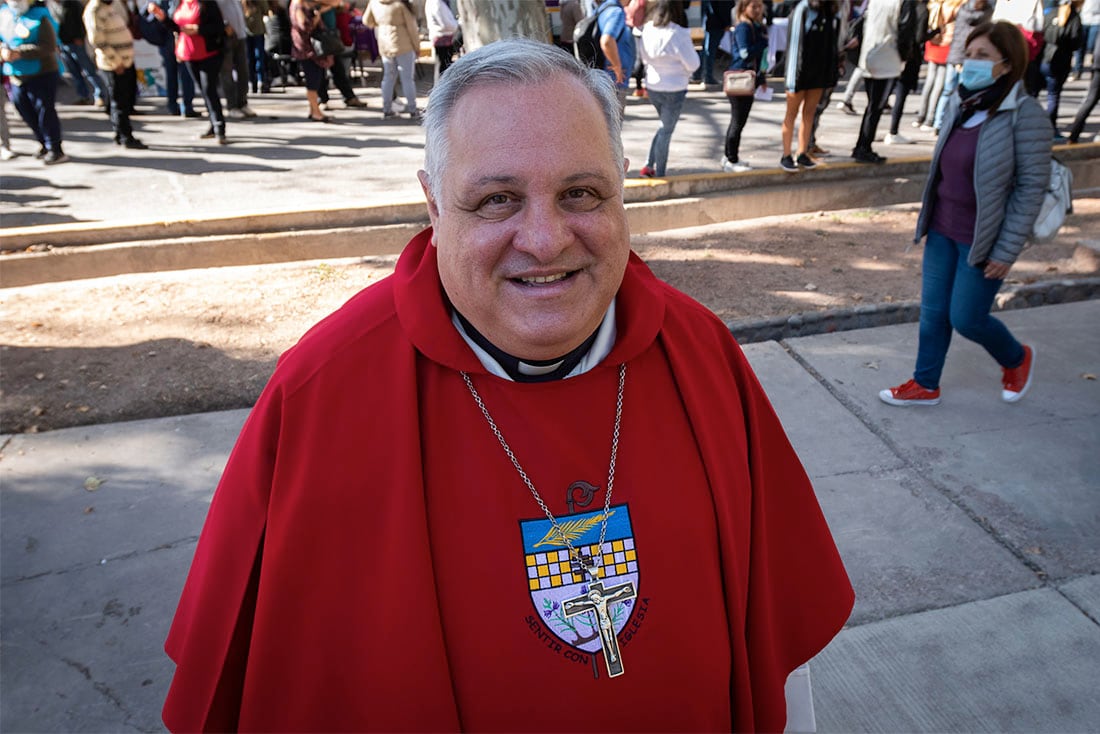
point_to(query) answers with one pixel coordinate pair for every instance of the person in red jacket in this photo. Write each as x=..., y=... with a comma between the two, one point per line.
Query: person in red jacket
x=200, y=38
x=521, y=483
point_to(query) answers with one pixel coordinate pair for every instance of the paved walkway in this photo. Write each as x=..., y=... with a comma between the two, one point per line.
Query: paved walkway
x=969, y=529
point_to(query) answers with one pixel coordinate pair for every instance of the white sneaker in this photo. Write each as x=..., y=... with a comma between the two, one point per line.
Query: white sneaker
x=235, y=114
x=248, y=111
x=739, y=167
x=926, y=128
x=6, y=153
x=896, y=139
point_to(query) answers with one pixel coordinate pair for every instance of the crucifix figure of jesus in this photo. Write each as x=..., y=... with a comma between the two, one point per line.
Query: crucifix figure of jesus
x=597, y=601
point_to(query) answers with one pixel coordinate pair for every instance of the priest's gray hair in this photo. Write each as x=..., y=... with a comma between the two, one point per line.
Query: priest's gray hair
x=514, y=62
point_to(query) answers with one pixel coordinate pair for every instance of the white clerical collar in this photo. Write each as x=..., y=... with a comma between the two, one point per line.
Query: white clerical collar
x=601, y=347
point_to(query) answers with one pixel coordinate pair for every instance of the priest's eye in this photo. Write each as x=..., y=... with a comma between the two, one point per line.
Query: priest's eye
x=581, y=199
x=496, y=206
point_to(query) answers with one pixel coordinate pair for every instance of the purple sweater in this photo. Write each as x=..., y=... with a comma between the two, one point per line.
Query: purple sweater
x=956, y=204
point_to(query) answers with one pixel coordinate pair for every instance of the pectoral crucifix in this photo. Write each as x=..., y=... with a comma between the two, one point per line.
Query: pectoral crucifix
x=597, y=600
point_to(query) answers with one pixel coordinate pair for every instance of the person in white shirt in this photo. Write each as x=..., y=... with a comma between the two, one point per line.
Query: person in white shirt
x=442, y=30
x=669, y=54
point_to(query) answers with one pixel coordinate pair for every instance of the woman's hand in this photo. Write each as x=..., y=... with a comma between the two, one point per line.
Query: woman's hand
x=191, y=29
x=156, y=10
x=995, y=270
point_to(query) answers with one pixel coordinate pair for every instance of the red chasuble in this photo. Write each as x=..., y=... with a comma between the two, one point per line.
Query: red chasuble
x=373, y=561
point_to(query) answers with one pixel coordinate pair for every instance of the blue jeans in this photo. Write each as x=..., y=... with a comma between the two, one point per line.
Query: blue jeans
x=1055, y=81
x=34, y=97
x=257, y=63
x=179, y=87
x=711, y=40
x=83, y=71
x=957, y=295
x=1079, y=55
x=391, y=68
x=950, y=84
x=930, y=95
x=668, y=106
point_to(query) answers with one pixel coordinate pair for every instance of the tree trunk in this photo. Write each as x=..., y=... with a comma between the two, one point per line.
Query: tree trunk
x=485, y=21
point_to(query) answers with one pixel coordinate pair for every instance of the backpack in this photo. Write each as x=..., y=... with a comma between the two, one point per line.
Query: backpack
x=1057, y=199
x=1057, y=202
x=586, y=40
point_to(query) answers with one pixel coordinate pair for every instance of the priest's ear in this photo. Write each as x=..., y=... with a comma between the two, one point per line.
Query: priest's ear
x=433, y=207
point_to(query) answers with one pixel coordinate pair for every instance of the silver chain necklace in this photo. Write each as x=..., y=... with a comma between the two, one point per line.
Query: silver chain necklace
x=591, y=567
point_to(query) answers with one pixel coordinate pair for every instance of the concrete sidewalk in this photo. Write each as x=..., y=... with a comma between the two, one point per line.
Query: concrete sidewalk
x=969, y=529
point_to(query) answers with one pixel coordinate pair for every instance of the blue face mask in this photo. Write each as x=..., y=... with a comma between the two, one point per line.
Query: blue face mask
x=977, y=73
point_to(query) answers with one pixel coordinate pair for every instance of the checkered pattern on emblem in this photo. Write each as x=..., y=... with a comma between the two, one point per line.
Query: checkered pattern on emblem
x=552, y=569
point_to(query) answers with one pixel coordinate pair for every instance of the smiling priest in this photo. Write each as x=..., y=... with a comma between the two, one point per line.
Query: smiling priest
x=521, y=484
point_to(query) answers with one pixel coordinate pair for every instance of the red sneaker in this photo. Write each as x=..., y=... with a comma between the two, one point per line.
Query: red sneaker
x=647, y=172
x=1017, y=380
x=910, y=393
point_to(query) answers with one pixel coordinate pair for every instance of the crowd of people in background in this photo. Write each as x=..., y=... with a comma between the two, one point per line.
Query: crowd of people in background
x=880, y=46
x=226, y=50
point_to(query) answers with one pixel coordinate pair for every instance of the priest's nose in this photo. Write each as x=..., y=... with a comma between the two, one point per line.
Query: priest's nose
x=544, y=231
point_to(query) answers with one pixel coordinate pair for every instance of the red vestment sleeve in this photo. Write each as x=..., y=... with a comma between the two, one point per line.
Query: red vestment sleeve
x=209, y=636
x=787, y=593
x=311, y=600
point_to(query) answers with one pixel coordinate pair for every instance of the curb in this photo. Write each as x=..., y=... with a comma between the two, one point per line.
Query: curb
x=810, y=323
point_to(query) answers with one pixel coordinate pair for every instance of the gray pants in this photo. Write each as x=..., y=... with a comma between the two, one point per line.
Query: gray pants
x=391, y=67
x=5, y=133
x=235, y=73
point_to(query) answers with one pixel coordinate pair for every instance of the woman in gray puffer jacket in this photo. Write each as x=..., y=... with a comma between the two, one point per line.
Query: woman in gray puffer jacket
x=990, y=169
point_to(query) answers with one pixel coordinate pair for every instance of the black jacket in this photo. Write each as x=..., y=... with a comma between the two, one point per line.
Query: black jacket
x=70, y=21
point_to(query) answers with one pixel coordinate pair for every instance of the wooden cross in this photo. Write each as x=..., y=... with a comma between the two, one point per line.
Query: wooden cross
x=597, y=600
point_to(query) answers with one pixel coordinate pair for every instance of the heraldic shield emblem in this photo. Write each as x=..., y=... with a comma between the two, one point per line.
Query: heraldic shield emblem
x=586, y=616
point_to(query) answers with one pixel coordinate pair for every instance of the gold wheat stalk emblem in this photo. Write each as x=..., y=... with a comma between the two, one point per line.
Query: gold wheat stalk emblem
x=570, y=531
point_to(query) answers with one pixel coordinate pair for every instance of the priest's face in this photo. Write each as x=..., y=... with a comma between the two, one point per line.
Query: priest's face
x=530, y=226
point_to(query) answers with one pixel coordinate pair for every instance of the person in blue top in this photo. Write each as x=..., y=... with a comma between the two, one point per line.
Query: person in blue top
x=617, y=44
x=28, y=48
x=749, y=44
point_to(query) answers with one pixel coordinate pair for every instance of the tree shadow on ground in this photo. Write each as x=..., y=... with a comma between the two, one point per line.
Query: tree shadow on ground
x=46, y=388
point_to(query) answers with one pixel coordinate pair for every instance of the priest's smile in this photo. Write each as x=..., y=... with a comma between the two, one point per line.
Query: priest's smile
x=533, y=280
